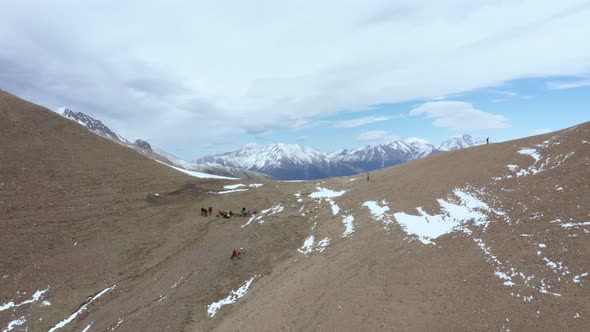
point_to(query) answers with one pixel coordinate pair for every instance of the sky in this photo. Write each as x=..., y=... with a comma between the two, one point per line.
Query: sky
x=202, y=77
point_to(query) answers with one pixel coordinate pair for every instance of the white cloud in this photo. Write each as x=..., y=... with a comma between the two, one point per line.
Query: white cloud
x=301, y=138
x=459, y=115
x=542, y=131
x=377, y=136
x=180, y=73
x=568, y=85
x=358, y=122
x=503, y=92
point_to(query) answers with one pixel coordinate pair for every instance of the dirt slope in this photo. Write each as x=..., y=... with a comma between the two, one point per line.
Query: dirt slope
x=74, y=220
x=525, y=267
x=83, y=235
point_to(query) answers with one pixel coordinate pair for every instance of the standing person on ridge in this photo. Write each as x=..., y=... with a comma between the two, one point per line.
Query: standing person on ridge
x=488, y=140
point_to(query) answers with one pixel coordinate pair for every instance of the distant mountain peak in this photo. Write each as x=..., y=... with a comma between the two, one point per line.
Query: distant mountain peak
x=143, y=147
x=143, y=144
x=460, y=142
x=96, y=126
x=417, y=141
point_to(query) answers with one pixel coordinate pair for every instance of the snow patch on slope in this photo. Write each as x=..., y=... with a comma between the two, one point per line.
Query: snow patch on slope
x=277, y=208
x=82, y=308
x=326, y=193
x=198, y=174
x=298, y=195
x=512, y=277
x=227, y=191
x=453, y=216
x=540, y=164
x=309, y=245
x=335, y=208
x=348, y=225
x=233, y=186
x=577, y=279
x=239, y=185
x=530, y=152
x=17, y=322
x=231, y=298
x=38, y=294
x=378, y=212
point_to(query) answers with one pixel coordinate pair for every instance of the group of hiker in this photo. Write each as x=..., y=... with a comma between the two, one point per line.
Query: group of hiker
x=227, y=213
x=206, y=211
x=230, y=213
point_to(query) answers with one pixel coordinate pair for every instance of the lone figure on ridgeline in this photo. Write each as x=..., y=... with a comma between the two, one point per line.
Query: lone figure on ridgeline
x=367, y=176
x=488, y=140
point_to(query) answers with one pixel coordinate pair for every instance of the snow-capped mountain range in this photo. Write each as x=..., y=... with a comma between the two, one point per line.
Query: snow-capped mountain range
x=143, y=147
x=456, y=143
x=283, y=161
x=297, y=162
x=286, y=161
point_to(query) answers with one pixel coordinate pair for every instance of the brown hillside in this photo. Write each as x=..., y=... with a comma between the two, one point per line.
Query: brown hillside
x=527, y=269
x=80, y=220
x=74, y=218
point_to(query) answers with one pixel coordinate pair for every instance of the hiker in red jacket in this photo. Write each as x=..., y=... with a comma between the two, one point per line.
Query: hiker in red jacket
x=235, y=253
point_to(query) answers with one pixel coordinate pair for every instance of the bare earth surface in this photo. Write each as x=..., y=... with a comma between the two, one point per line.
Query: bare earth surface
x=94, y=235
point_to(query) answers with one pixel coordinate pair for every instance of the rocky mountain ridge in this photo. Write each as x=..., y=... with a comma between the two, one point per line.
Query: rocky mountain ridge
x=297, y=162
x=143, y=147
